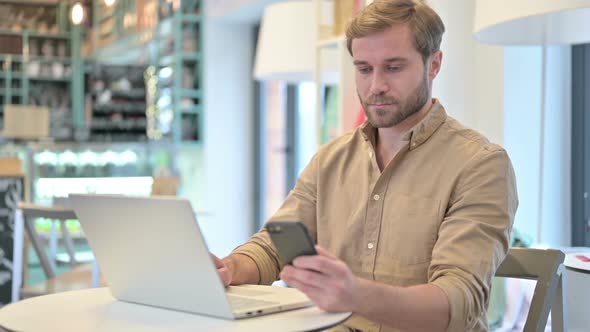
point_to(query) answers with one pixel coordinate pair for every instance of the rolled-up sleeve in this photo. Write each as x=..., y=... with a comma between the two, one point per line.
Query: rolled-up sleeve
x=474, y=235
x=300, y=205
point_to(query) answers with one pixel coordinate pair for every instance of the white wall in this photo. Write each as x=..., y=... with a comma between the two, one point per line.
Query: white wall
x=307, y=143
x=470, y=84
x=496, y=91
x=229, y=114
x=521, y=129
x=558, y=132
x=243, y=11
x=522, y=135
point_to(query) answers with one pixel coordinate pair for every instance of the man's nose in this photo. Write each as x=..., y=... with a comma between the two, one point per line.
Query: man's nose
x=378, y=84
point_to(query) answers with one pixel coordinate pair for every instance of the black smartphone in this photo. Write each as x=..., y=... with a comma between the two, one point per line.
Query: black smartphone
x=291, y=239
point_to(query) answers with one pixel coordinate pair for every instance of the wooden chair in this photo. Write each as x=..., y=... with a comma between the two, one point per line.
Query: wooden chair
x=78, y=278
x=546, y=267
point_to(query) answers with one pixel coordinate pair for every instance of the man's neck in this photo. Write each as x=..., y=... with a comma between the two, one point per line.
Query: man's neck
x=390, y=140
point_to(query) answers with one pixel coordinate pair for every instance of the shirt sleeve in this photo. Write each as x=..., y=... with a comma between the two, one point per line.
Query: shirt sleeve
x=474, y=235
x=300, y=205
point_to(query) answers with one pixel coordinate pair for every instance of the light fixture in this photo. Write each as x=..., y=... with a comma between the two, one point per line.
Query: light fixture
x=77, y=13
x=109, y=2
x=286, y=44
x=534, y=22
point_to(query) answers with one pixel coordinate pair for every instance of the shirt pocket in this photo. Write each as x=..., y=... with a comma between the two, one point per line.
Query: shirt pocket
x=409, y=230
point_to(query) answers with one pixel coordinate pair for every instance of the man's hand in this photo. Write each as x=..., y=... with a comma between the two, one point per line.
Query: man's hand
x=236, y=269
x=330, y=284
x=325, y=279
x=223, y=269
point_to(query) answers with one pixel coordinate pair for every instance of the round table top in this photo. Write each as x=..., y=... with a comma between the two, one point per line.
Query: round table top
x=97, y=310
x=578, y=261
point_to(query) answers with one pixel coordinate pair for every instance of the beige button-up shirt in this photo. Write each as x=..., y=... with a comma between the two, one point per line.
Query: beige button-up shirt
x=441, y=212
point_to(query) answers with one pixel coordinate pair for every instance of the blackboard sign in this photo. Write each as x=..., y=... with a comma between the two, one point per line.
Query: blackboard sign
x=11, y=192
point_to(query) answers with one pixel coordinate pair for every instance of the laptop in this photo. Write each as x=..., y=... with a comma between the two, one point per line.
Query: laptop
x=151, y=251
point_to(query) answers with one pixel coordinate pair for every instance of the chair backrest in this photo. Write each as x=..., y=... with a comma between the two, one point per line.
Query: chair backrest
x=545, y=266
x=165, y=186
x=30, y=212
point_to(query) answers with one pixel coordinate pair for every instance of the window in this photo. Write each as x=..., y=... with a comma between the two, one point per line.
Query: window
x=581, y=145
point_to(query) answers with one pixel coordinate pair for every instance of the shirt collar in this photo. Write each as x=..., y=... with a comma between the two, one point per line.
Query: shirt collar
x=420, y=133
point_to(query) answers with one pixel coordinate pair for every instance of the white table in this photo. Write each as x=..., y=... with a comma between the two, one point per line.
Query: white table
x=96, y=310
x=578, y=290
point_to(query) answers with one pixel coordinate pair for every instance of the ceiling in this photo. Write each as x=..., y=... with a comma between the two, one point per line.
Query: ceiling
x=239, y=11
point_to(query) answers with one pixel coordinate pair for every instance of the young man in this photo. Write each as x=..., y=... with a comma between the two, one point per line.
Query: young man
x=412, y=212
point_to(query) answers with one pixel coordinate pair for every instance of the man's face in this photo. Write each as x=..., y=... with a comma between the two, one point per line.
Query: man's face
x=391, y=79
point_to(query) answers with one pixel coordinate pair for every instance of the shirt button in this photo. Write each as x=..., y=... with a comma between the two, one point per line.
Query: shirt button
x=376, y=197
x=370, y=154
x=370, y=245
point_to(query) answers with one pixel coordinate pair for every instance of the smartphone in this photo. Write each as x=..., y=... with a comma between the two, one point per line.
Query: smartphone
x=291, y=239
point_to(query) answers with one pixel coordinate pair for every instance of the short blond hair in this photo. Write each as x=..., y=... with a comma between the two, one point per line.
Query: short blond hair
x=425, y=24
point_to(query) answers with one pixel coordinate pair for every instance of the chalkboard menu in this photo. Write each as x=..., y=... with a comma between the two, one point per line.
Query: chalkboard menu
x=11, y=192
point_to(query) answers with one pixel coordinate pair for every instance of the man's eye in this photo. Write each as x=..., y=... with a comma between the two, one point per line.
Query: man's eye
x=394, y=69
x=364, y=70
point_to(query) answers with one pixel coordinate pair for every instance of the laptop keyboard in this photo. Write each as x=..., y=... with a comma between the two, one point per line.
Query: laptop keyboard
x=243, y=291
x=241, y=303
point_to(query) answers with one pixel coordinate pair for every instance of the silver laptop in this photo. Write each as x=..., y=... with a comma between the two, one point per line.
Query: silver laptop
x=151, y=251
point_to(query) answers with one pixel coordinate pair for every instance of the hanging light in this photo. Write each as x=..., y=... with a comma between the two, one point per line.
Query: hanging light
x=286, y=48
x=77, y=13
x=109, y=2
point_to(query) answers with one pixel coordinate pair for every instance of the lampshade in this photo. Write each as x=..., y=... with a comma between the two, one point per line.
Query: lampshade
x=287, y=41
x=532, y=22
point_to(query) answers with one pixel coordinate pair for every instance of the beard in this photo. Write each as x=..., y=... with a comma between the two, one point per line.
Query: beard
x=397, y=110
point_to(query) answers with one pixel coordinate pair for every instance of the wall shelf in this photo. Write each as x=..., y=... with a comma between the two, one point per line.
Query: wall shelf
x=49, y=35
x=337, y=104
x=43, y=69
x=190, y=18
x=191, y=110
x=118, y=97
x=167, y=60
x=131, y=108
x=182, y=33
x=30, y=58
x=169, y=38
x=12, y=92
x=131, y=94
x=196, y=94
x=193, y=56
x=50, y=79
x=12, y=75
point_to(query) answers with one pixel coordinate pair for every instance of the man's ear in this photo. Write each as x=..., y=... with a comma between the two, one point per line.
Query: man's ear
x=435, y=64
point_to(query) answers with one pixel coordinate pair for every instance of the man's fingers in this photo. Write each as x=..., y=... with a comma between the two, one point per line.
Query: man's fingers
x=311, y=291
x=324, y=252
x=319, y=263
x=218, y=262
x=310, y=278
x=222, y=269
x=225, y=276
